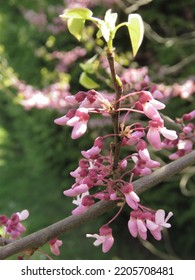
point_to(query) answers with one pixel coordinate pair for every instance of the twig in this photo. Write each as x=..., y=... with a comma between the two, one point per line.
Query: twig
x=136, y=5
x=116, y=114
x=39, y=238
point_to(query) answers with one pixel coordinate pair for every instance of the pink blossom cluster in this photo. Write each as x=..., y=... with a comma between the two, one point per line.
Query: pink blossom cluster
x=54, y=244
x=183, y=90
x=186, y=138
x=138, y=79
x=13, y=227
x=40, y=19
x=88, y=3
x=50, y=97
x=66, y=59
x=94, y=178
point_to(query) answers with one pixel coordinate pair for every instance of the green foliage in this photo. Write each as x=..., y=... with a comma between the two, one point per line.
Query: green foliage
x=136, y=31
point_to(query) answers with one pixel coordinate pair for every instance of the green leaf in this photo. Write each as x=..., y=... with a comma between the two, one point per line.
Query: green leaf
x=82, y=13
x=90, y=65
x=105, y=31
x=136, y=31
x=110, y=18
x=75, y=27
x=87, y=82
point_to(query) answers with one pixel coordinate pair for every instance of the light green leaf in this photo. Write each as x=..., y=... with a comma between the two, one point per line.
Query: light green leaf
x=136, y=31
x=82, y=13
x=110, y=18
x=105, y=30
x=90, y=65
x=87, y=82
x=99, y=34
x=75, y=27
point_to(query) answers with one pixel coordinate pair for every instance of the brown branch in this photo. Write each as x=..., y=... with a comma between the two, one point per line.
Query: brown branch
x=39, y=238
x=116, y=114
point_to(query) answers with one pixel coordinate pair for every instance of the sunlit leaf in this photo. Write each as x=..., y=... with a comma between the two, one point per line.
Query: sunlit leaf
x=136, y=31
x=75, y=27
x=87, y=82
x=89, y=66
x=110, y=18
x=105, y=30
x=82, y=13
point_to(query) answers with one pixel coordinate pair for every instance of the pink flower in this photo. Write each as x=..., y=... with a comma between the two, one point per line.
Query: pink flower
x=84, y=202
x=133, y=137
x=105, y=238
x=141, y=221
x=76, y=118
x=143, y=162
x=84, y=99
x=189, y=116
x=76, y=190
x=13, y=227
x=184, y=146
x=159, y=222
x=156, y=127
x=54, y=246
x=145, y=156
x=150, y=105
x=131, y=197
x=95, y=150
x=137, y=225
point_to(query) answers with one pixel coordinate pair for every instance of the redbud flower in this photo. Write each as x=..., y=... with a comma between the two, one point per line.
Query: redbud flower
x=54, y=246
x=76, y=118
x=13, y=227
x=131, y=197
x=155, y=128
x=95, y=150
x=83, y=204
x=145, y=156
x=76, y=190
x=105, y=238
x=150, y=105
x=189, y=116
x=160, y=222
x=184, y=146
x=137, y=225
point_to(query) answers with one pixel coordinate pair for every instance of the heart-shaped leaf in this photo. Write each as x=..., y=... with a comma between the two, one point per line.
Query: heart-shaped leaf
x=136, y=31
x=82, y=13
x=75, y=27
x=87, y=82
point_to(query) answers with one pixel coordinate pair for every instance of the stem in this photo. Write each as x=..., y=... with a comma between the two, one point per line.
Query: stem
x=116, y=114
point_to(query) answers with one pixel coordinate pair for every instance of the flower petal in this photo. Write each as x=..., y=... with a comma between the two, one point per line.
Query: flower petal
x=107, y=244
x=132, y=226
x=167, y=133
x=78, y=130
x=153, y=137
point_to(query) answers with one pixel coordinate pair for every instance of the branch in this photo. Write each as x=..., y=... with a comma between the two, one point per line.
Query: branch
x=174, y=69
x=39, y=238
x=116, y=114
x=136, y=5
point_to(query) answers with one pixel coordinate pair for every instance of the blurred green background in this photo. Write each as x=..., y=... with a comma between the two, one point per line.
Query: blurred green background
x=36, y=155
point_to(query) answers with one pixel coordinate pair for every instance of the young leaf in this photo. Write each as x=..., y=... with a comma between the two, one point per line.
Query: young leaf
x=136, y=31
x=110, y=18
x=105, y=31
x=75, y=27
x=90, y=65
x=82, y=13
x=87, y=82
